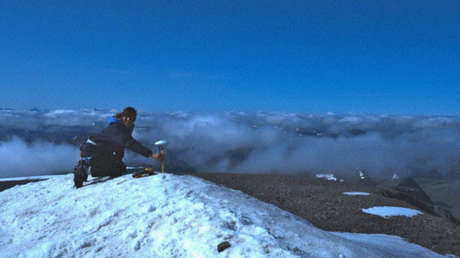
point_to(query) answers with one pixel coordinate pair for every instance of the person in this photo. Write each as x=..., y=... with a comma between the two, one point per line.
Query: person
x=102, y=153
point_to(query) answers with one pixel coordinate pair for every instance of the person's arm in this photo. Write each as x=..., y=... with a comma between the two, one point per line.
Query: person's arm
x=137, y=147
x=141, y=149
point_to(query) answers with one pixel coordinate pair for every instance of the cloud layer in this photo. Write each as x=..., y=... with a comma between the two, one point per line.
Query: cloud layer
x=18, y=158
x=260, y=142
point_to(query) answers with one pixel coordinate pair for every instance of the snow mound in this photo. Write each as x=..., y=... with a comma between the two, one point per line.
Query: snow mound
x=163, y=216
x=388, y=211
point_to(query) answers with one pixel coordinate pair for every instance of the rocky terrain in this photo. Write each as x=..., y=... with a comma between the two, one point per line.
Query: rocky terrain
x=323, y=203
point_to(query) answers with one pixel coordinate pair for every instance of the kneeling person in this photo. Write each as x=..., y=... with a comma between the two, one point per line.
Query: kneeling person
x=103, y=153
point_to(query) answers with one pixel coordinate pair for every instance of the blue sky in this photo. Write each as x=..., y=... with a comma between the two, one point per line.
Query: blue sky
x=398, y=57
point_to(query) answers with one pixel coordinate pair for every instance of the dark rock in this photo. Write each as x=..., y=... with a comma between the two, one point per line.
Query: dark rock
x=364, y=179
x=368, y=181
x=445, y=213
x=222, y=246
x=410, y=187
x=409, y=191
x=8, y=184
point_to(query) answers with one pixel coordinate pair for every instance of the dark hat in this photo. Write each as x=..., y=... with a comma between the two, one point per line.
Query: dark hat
x=129, y=112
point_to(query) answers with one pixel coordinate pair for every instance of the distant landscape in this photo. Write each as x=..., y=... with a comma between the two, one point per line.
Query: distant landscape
x=380, y=145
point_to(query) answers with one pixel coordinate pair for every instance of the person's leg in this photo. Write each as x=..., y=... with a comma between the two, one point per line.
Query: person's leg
x=106, y=167
x=118, y=168
x=80, y=172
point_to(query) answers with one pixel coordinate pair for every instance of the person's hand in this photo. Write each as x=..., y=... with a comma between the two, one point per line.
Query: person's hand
x=158, y=157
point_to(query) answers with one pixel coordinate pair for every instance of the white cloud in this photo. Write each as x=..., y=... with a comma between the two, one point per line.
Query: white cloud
x=268, y=142
x=18, y=158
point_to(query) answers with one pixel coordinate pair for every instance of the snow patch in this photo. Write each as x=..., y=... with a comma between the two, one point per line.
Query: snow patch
x=329, y=177
x=356, y=193
x=382, y=241
x=389, y=211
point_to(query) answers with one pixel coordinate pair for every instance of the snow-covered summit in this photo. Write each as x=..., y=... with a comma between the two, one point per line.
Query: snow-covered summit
x=167, y=216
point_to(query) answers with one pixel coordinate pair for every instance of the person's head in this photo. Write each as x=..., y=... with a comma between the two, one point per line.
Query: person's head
x=127, y=116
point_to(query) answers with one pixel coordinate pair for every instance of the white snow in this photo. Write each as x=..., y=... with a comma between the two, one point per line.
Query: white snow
x=355, y=193
x=382, y=241
x=27, y=178
x=388, y=211
x=329, y=177
x=166, y=216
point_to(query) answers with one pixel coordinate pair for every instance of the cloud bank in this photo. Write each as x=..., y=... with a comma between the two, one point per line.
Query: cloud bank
x=18, y=158
x=287, y=143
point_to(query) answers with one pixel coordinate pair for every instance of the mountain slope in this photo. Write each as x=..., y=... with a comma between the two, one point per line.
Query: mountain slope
x=163, y=216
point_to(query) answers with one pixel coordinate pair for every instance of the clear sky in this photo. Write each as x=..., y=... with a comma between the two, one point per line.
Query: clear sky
x=376, y=56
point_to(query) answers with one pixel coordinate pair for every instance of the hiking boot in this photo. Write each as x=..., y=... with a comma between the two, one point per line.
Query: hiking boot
x=80, y=173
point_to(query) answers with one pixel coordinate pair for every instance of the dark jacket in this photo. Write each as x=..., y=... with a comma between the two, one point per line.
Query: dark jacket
x=106, y=149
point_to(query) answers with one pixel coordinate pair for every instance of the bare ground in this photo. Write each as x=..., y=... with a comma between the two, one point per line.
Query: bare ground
x=323, y=203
